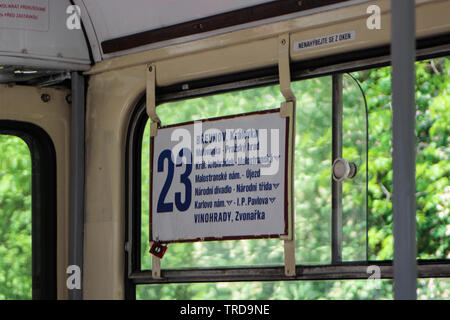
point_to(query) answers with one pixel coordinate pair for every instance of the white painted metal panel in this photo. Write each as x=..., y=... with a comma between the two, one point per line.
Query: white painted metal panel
x=25, y=14
x=34, y=32
x=115, y=18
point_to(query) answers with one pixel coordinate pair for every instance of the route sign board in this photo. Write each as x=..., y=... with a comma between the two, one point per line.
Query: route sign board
x=220, y=179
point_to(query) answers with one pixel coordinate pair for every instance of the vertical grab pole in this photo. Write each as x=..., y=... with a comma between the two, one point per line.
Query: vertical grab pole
x=77, y=174
x=404, y=143
x=336, y=186
x=154, y=125
x=287, y=109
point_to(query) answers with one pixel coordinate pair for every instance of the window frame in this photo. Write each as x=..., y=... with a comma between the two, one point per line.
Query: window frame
x=328, y=66
x=43, y=207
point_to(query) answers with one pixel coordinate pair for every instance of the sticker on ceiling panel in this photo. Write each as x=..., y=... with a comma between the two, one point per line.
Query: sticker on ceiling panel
x=24, y=14
x=326, y=40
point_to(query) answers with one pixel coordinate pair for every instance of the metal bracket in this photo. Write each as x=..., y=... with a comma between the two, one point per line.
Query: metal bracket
x=151, y=100
x=287, y=109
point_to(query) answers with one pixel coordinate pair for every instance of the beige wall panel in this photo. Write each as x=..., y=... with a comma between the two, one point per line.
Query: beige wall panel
x=253, y=55
x=111, y=99
x=22, y=103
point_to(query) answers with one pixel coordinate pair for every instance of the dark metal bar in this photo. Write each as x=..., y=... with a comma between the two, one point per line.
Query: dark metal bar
x=404, y=144
x=336, y=187
x=77, y=173
x=345, y=271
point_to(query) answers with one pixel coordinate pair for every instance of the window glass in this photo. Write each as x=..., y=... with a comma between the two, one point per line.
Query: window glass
x=312, y=184
x=435, y=289
x=354, y=193
x=432, y=159
x=15, y=219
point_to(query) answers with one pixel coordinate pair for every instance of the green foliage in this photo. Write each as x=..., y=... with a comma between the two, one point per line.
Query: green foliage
x=15, y=219
x=432, y=159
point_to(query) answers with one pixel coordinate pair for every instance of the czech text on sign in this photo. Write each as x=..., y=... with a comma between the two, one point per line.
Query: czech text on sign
x=331, y=39
x=24, y=14
x=219, y=178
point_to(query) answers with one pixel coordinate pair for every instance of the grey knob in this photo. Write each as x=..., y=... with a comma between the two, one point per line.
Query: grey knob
x=342, y=169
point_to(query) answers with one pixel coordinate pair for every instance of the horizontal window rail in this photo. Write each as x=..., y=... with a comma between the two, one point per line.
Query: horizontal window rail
x=344, y=271
x=367, y=59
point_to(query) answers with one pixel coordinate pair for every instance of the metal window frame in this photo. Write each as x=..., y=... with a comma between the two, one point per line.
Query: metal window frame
x=43, y=205
x=356, y=270
x=336, y=152
x=356, y=61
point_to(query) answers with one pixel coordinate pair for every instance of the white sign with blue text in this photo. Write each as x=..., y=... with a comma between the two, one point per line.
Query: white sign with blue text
x=220, y=179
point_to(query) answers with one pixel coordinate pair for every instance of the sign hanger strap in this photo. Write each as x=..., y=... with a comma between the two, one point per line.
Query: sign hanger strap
x=284, y=67
x=287, y=109
x=154, y=125
x=151, y=100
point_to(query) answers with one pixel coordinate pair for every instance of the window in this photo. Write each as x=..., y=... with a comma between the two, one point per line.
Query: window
x=432, y=158
x=434, y=289
x=366, y=199
x=27, y=212
x=15, y=219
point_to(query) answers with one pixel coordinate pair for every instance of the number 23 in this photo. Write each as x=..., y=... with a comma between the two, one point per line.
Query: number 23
x=163, y=206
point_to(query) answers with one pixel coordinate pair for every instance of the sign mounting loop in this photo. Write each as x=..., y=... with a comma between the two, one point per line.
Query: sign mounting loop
x=287, y=109
x=151, y=100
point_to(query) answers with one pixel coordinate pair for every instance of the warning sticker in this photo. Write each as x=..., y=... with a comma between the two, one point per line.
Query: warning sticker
x=325, y=40
x=24, y=14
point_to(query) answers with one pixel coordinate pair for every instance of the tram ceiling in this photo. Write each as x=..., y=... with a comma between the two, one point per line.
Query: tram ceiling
x=158, y=24
x=52, y=41
x=56, y=42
